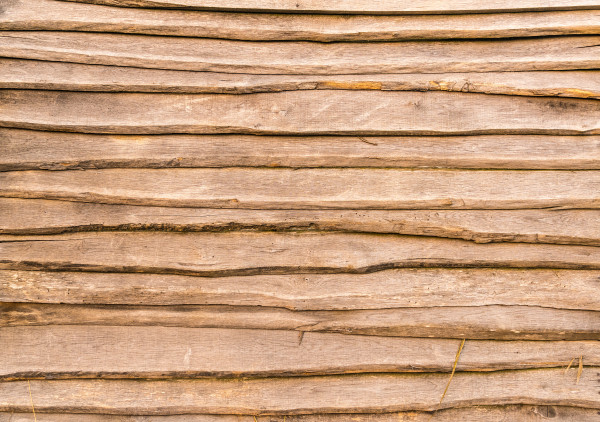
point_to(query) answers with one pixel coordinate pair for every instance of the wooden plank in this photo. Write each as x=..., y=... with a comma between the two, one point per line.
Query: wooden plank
x=360, y=6
x=36, y=74
x=261, y=188
x=283, y=57
x=474, y=322
x=402, y=288
x=303, y=395
x=521, y=413
x=212, y=254
x=299, y=113
x=31, y=150
x=67, y=352
x=50, y=15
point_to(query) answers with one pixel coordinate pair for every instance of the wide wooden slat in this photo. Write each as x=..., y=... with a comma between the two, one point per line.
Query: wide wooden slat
x=521, y=413
x=64, y=352
x=360, y=6
x=332, y=394
x=475, y=322
x=202, y=54
x=51, y=15
x=212, y=254
x=30, y=150
x=36, y=74
x=403, y=288
x=311, y=188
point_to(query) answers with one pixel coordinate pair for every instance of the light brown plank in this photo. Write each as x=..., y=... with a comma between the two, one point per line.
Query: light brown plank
x=304, y=395
x=311, y=188
x=283, y=57
x=36, y=74
x=475, y=322
x=360, y=6
x=403, y=288
x=31, y=150
x=521, y=413
x=50, y=15
x=67, y=352
x=243, y=253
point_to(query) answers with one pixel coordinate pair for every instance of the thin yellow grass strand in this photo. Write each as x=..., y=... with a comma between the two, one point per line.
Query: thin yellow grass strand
x=580, y=370
x=31, y=398
x=569, y=365
x=462, y=344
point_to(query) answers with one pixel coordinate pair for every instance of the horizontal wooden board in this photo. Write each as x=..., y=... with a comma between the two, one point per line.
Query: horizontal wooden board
x=243, y=253
x=51, y=15
x=402, y=288
x=360, y=6
x=284, y=57
x=299, y=113
x=475, y=322
x=521, y=413
x=304, y=395
x=261, y=188
x=38, y=74
x=30, y=150
x=66, y=352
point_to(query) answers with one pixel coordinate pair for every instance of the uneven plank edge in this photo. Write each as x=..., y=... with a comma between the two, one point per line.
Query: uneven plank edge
x=304, y=395
x=476, y=322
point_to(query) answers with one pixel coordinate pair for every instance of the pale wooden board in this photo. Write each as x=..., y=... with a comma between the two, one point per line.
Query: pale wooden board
x=304, y=395
x=67, y=352
x=403, y=288
x=30, y=150
x=361, y=6
x=284, y=57
x=315, y=112
x=38, y=74
x=51, y=15
x=475, y=322
x=521, y=413
x=260, y=188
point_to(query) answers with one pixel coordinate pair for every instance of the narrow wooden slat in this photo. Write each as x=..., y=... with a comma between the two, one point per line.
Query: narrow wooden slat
x=283, y=57
x=360, y=6
x=311, y=188
x=521, y=413
x=475, y=322
x=304, y=395
x=403, y=288
x=66, y=352
x=36, y=74
x=30, y=150
x=51, y=15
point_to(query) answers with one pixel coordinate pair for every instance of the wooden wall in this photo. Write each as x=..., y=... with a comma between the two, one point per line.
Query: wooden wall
x=303, y=211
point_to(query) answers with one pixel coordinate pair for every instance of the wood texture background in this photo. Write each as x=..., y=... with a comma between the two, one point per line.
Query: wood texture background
x=299, y=211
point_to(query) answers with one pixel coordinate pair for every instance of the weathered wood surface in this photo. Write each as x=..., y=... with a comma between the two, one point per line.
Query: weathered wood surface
x=302, y=395
x=36, y=74
x=347, y=188
x=521, y=413
x=213, y=254
x=51, y=15
x=299, y=113
x=475, y=322
x=577, y=227
x=360, y=6
x=403, y=288
x=30, y=150
x=66, y=352
x=284, y=57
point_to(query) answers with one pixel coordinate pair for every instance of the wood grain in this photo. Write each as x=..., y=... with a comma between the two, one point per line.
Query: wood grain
x=474, y=322
x=261, y=188
x=359, y=6
x=283, y=57
x=31, y=150
x=50, y=15
x=304, y=395
x=38, y=74
x=161, y=352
